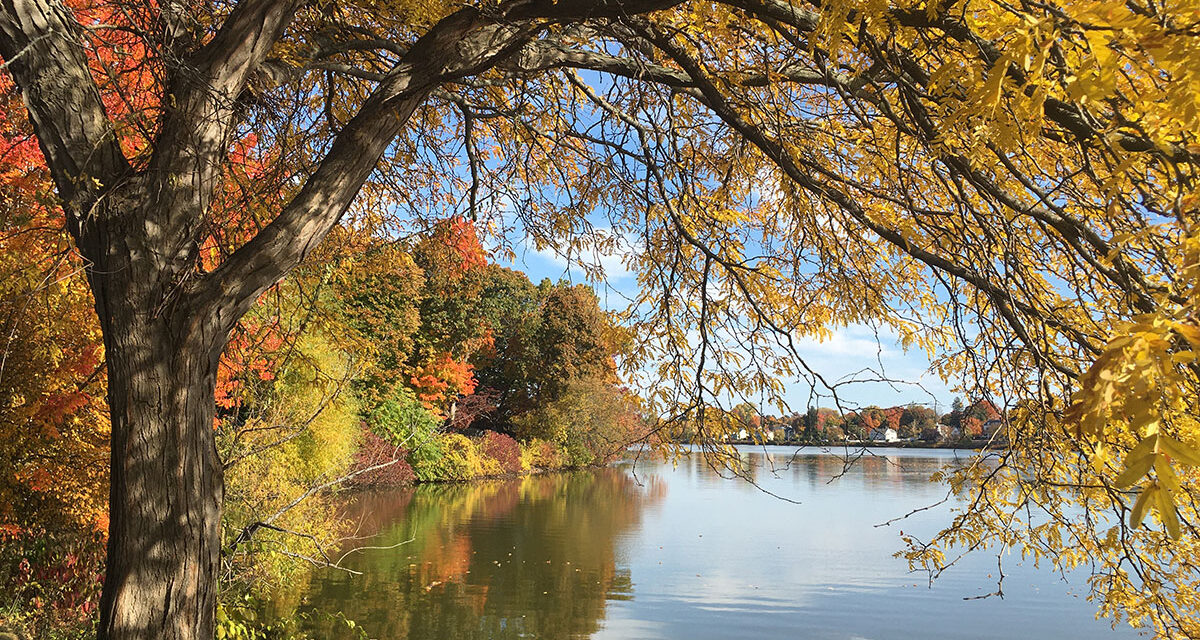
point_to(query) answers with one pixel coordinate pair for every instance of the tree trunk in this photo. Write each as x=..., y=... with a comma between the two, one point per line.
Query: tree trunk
x=167, y=481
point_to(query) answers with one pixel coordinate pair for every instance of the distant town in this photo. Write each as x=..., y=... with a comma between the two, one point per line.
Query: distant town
x=977, y=422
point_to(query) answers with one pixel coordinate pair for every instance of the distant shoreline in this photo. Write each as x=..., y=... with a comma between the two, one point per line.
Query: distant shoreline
x=855, y=444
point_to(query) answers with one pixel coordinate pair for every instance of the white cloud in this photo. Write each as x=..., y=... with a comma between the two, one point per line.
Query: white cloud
x=856, y=340
x=859, y=353
x=613, y=262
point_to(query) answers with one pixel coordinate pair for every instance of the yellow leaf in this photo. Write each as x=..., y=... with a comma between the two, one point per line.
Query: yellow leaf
x=1179, y=451
x=1134, y=471
x=1139, y=507
x=995, y=83
x=1166, y=511
x=1166, y=475
x=1189, y=331
x=1143, y=448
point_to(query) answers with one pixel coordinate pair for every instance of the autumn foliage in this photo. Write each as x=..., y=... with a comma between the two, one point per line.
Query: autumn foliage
x=439, y=382
x=1009, y=188
x=53, y=415
x=503, y=449
x=374, y=451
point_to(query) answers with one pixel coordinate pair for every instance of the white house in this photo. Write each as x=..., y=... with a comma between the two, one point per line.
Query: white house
x=884, y=434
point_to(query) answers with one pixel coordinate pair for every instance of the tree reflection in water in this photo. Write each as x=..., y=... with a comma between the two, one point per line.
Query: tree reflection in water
x=535, y=557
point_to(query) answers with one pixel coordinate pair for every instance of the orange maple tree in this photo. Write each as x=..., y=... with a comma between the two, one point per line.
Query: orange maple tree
x=442, y=379
x=53, y=416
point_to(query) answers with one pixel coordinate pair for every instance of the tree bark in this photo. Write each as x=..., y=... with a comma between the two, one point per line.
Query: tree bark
x=167, y=487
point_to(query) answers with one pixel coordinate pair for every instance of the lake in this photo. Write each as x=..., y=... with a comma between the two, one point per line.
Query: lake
x=650, y=551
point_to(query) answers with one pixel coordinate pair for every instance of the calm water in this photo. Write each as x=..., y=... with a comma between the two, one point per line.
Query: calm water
x=650, y=551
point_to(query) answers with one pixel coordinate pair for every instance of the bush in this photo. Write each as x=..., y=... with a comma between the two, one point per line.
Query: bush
x=462, y=456
x=503, y=450
x=489, y=467
x=540, y=454
x=427, y=460
x=375, y=450
x=458, y=460
x=50, y=583
x=578, y=451
x=303, y=430
x=402, y=420
x=547, y=422
x=591, y=422
x=242, y=620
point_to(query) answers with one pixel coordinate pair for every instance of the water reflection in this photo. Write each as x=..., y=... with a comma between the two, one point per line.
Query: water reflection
x=614, y=554
x=536, y=557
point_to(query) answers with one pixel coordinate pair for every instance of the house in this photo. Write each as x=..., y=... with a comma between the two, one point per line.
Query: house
x=741, y=435
x=884, y=434
x=948, y=432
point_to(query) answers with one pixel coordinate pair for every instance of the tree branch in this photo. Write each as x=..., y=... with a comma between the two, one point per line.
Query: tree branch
x=40, y=42
x=462, y=44
x=199, y=120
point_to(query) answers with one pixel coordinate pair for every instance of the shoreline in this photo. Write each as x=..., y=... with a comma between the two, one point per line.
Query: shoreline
x=829, y=446
x=494, y=477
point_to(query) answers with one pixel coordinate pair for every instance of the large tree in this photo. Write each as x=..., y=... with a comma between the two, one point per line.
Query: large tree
x=1008, y=186
x=139, y=223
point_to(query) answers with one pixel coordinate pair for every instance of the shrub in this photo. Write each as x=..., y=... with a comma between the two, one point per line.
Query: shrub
x=303, y=430
x=547, y=422
x=579, y=453
x=487, y=466
x=462, y=456
x=591, y=421
x=402, y=420
x=50, y=583
x=540, y=454
x=242, y=620
x=375, y=450
x=427, y=460
x=503, y=450
x=458, y=460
